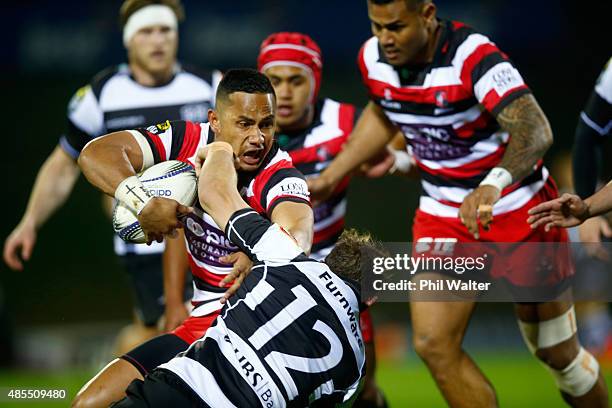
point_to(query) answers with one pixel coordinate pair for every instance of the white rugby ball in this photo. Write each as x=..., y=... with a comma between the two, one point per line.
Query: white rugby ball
x=170, y=179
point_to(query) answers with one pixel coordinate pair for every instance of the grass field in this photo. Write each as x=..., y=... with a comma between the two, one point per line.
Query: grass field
x=520, y=382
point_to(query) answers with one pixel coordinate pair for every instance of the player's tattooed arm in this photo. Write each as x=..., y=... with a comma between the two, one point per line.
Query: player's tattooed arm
x=531, y=135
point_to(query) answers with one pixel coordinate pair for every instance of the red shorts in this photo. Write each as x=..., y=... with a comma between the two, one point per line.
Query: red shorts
x=367, y=327
x=510, y=227
x=194, y=327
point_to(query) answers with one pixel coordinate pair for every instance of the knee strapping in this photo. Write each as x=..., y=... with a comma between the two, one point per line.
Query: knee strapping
x=549, y=332
x=579, y=376
x=582, y=373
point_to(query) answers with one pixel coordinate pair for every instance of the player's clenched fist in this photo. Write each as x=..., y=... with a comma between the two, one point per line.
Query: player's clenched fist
x=161, y=217
x=568, y=210
x=478, y=206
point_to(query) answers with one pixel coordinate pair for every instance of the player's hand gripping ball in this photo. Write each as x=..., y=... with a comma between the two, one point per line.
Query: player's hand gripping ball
x=171, y=179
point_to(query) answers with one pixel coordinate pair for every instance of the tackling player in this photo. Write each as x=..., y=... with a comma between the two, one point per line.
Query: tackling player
x=594, y=128
x=313, y=130
x=150, y=88
x=253, y=355
x=245, y=118
x=478, y=136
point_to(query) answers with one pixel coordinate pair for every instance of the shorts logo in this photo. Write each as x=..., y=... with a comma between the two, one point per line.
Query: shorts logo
x=436, y=246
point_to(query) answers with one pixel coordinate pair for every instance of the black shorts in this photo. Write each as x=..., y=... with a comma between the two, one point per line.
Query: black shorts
x=152, y=353
x=147, y=281
x=162, y=389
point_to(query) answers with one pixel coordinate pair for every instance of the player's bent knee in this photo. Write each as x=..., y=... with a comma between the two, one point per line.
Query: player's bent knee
x=579, y=376
x=435, y=350
x=575, y=373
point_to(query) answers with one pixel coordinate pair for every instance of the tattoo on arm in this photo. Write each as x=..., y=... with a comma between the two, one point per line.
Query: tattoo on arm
x=530, y=135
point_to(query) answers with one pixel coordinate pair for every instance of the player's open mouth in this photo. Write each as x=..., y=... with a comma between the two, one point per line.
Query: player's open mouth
x=158, y=54
x=391, y=53
x=252, y=156
x=284, y=110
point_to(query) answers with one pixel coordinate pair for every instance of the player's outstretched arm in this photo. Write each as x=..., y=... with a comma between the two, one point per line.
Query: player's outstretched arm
x=54, y=183
x=531, y=136
x=217, y=190
x=370, y=135
x=570, y=210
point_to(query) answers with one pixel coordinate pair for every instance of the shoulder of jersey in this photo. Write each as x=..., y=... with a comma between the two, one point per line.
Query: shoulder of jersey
x=102, y=77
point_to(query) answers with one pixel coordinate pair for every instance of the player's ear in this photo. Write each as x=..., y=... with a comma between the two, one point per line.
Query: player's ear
x=428, y=11
x=213, y=119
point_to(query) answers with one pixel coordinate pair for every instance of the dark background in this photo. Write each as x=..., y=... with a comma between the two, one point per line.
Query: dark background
x=53, y=47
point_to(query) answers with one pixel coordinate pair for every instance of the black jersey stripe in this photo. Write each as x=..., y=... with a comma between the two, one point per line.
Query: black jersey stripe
x=485, y=64
x=156, y=156
x=231, y=383
x=454, y=38
x=178, y=136
x=245, y=228
x=101, y=78
x=76, y=137
x=426, y=109
x=508, y=99
x=276, y=178
x=598, y=110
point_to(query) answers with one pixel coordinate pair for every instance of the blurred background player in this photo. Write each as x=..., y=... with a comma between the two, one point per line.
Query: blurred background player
x=313, y=130
x=150, y=88
x=590, y=169
x=594, y=127
x=244, y=117
x=457, y=99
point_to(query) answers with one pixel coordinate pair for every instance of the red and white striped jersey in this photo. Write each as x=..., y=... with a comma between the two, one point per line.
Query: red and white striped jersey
x=311, y=150
x=275, y=181
x=446, y=110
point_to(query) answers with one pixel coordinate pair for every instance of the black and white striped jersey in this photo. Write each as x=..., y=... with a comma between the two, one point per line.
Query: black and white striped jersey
x=114, y=101
x=290, y=336
x=597, y=114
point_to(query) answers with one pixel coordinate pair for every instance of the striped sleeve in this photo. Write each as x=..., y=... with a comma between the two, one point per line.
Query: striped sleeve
x=172, y=140
x=278, y=183
x=489, y=73
x=597, y=113
x=260, y=239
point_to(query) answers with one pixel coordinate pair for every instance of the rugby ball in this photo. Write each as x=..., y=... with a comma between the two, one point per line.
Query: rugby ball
x=170, y=179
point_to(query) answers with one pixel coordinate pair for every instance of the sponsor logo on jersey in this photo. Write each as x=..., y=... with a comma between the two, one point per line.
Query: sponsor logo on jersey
x=78, y=97
x=436, y=142
x=195, y=112
x=125, y=122
x=295, y=188
x=163, y=126
x=206, y=243
x=505, y=79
